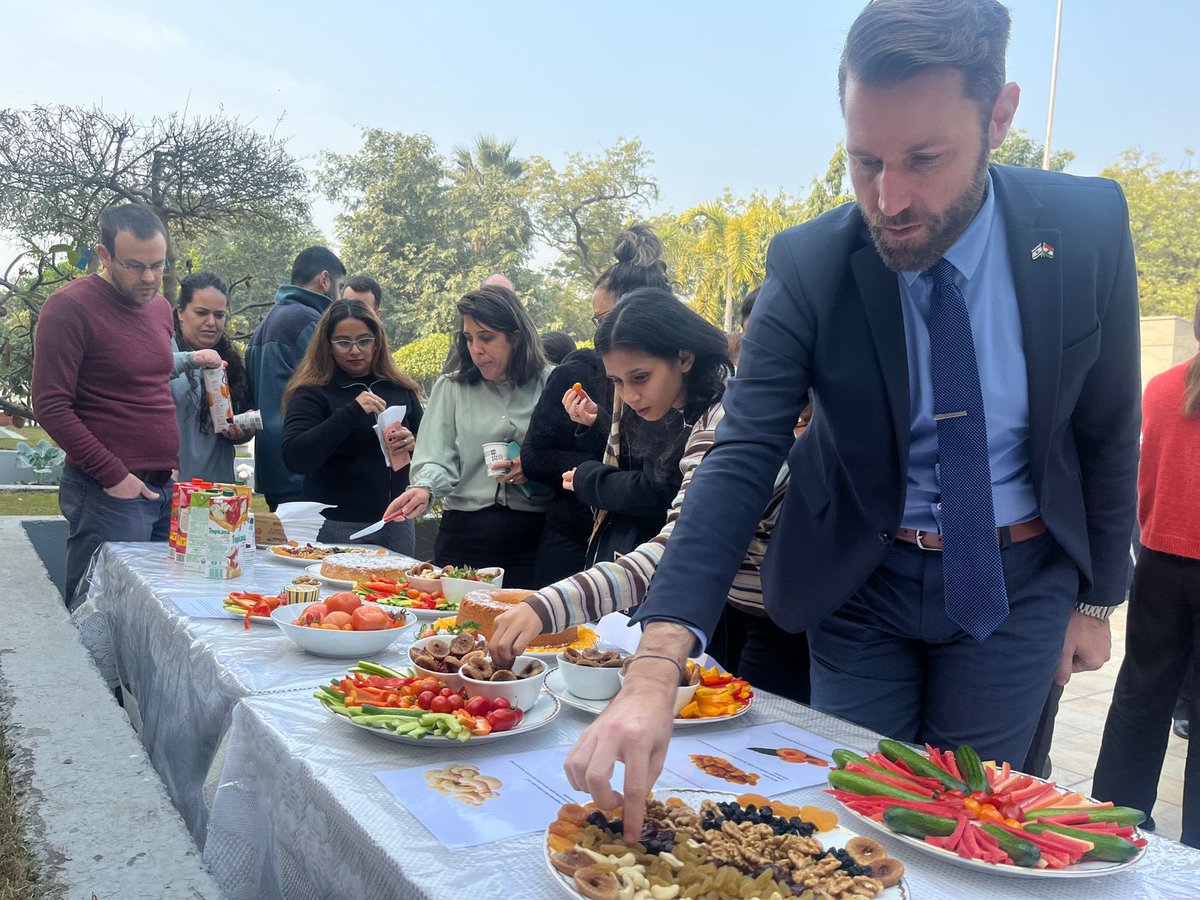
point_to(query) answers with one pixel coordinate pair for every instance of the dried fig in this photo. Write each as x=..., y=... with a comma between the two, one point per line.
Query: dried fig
x=889, y=871
x=503, y=675
x=452, y=663
x=462, y=644
x=865, y=851
x=470, y=670
x=437, y=648
x=570, y=861
x=596, y=884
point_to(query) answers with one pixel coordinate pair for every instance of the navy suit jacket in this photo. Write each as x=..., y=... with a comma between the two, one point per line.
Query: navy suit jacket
x=829, y=318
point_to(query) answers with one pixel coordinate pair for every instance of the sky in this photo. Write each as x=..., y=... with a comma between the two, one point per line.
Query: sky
x=738, y=95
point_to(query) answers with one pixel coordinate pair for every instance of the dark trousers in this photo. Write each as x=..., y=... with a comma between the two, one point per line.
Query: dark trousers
x=496, y=536
x=891, y=660
x=94, y=517
x=755, y=648
x=273, y=500
x=1161, y=634
x=399, y=537
x=559, y=555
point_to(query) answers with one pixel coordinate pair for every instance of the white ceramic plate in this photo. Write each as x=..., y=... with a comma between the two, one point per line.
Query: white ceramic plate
x=296, y=561
x=330, y=643
x=315, y=571
x=838, y=837
x=1088, y=869
x=542, y=713
x=556, y=686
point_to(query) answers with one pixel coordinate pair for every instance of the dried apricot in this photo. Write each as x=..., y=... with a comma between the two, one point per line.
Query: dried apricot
x=824, y=819
x=566, y=829
x=573, y=812
x=560, y=843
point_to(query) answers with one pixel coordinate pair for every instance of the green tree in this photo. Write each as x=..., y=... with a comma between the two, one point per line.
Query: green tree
x=1164, y=217
x=429, y=233
x=60, y=166
x=577, y=209
x=1019, y=149
x=830, y=191
x=424, y=358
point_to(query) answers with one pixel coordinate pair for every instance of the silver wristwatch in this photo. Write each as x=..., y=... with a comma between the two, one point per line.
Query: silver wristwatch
x=1095, y=611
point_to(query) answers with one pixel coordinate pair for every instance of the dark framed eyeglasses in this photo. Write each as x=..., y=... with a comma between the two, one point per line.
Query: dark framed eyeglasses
x=138, y=268
x=344, y=345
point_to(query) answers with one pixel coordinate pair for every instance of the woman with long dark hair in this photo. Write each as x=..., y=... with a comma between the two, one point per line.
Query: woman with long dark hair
x=569, y=429
x=201, y=318
x=345, y=380
x=1162, y=632
x=662, y=356
x=490, y=516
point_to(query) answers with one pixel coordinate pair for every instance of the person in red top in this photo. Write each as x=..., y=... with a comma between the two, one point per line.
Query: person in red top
x=1163, y=630
x=101, y=370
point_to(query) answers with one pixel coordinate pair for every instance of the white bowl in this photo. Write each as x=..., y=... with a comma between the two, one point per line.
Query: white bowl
x=338, y=644
x=522, y=693
x=426, y=583
x=451, y=680
x=589, y=682
x=453, y=589
x=683, y=695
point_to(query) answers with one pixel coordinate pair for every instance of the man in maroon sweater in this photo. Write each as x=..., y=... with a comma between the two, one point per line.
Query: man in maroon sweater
x=101, y=366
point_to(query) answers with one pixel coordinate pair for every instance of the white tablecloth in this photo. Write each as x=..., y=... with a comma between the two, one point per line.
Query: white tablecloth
x=298, y=812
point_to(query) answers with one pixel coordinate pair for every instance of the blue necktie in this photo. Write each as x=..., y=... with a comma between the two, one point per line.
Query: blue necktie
x=976, y=597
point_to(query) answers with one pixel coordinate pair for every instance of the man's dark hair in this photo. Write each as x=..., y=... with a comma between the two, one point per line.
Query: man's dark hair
x=363, y=284
x=894, y=40
x=312, y=262
x=556, y=345
x=138, y=220
x=748, y=305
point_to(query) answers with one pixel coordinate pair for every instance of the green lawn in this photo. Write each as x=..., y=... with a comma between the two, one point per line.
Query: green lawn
x=45, y=503
x=30, y=434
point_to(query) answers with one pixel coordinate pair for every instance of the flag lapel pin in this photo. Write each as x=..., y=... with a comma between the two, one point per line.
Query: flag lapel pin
x=1042, y=251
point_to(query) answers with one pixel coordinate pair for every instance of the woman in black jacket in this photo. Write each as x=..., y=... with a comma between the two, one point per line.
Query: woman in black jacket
x=346, y=379
x=554, y=444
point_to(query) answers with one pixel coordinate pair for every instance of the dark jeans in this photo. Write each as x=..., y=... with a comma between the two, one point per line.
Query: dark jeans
x=94, y=517
x=890, y=659
x=559, y=556
x=1161, y=634
x=399, y=537
x=496, y=536
x=755, y=648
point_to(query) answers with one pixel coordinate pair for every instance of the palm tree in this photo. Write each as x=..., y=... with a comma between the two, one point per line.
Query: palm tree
x=727, y=254
x=488, y=155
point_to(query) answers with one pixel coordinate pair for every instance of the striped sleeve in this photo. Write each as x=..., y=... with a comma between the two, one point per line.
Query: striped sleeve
x=609, y=586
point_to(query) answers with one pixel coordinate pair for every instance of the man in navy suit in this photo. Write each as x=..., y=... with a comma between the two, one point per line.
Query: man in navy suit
x=970, y=335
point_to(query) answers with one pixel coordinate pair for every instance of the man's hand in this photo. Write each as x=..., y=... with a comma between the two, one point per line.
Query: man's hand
x=1086, y=648
x=635, y=729
x=130, y=488
x=207, y=359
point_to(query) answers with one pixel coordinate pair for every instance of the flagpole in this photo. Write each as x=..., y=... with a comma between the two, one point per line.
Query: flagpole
x=1053, y=87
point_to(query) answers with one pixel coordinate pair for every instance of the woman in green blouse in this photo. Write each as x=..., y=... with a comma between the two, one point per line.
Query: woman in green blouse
x=489, y=518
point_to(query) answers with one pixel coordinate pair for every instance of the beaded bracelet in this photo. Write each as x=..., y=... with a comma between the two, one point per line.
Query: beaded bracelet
x=672, y=660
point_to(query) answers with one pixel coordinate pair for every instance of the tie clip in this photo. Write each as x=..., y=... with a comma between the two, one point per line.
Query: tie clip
x=954, y=415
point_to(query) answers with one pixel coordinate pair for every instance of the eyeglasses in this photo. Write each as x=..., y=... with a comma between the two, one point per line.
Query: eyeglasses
x=596, y=320
x=342, y=345
x=138, y=268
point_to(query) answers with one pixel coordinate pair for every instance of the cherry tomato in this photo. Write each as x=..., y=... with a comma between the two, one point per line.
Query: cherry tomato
x=432, y=685
x=455, y=702
x=446, y=692
x=440, y=704
x=501, y=703
x=424, y=596
x=413, y=594
x=425, y=701
x=478, y=706
x=502, y=719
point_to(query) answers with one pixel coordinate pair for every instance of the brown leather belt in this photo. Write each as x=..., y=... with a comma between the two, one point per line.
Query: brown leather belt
x=1009, y=534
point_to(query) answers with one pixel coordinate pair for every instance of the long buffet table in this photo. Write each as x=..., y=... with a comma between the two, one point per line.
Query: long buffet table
x=297, y=811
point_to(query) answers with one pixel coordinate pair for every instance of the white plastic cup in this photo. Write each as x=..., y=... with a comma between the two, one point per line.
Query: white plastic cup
x=494, y=452
x=250, y=420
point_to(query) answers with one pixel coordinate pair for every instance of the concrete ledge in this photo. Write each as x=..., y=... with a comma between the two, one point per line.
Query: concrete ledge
x=101, y=821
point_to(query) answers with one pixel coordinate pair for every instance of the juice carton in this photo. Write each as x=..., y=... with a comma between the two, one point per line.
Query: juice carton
x=177, y=536
x=217, y=534
x=216, y=391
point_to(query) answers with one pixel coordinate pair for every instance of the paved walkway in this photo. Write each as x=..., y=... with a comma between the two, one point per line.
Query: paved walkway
x=1080, y=726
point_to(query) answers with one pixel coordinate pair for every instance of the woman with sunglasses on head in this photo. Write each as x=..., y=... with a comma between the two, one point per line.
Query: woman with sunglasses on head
x=490, y=517
x=346, y=379
x=200, y=321
x=555, y=442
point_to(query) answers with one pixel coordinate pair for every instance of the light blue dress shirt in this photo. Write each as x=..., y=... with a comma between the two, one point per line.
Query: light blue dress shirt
x=980, y=257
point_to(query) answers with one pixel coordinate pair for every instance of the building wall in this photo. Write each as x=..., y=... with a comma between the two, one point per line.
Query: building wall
x=1166, y=341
